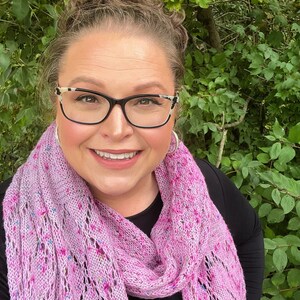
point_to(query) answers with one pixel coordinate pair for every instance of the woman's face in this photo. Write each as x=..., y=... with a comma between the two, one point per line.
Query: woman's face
x=119, y=66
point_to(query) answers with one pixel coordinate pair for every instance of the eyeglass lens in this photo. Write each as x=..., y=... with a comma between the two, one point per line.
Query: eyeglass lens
x=87, y=107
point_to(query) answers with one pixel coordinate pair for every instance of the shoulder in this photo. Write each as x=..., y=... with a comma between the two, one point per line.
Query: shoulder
x=214, y=185
x=4, y=294
x=238, y=214
x=3, y=187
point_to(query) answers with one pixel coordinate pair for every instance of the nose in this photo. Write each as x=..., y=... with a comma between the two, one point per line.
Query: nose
x=116, y=126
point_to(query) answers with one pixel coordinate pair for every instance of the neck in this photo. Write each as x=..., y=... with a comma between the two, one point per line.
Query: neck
x=134, y=201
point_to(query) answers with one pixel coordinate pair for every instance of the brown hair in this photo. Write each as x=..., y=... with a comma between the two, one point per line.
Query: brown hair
x=147, y=16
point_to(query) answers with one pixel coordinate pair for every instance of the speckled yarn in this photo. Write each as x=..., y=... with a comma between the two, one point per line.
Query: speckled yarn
x=62, y=244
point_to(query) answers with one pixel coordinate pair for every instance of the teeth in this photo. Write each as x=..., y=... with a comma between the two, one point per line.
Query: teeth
x=116, y=156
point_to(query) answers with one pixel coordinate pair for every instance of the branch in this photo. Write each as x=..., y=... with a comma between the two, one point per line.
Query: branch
x=221, y=148
x=205, y=16
x=240, y=120
x=224, y=129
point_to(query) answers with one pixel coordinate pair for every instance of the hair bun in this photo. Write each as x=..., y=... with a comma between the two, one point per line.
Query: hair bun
x=89, y=4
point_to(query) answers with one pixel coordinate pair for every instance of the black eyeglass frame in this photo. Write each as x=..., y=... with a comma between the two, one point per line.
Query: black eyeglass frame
x=112, y=102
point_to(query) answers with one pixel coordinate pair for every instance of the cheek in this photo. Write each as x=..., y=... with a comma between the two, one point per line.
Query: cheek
x=70, y=134
x=159, y=140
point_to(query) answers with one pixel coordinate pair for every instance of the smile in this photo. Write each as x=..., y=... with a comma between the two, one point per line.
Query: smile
x=116, y=156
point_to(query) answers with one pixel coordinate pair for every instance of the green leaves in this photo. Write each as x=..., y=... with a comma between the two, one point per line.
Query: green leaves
x=276, y=196
x=4, y=58
x=256, y=66
x=282, y=182
x=275, y=150
x=275, y=216
x=287, y=153
x=20, y=9
x=294, y=134
x=293, y=278
x=280, y=259
x=261, y=154
x=202, y=3
x=24, y=24
x=287, y=203
x=278, y=131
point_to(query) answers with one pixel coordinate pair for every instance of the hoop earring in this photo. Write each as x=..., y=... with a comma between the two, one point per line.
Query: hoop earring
x=174, y=143
x=56, y=135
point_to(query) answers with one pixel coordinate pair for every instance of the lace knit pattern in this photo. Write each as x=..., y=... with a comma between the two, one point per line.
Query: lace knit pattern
x=62, y=244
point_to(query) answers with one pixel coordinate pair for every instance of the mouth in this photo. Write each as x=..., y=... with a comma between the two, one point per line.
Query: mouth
x=116, y=156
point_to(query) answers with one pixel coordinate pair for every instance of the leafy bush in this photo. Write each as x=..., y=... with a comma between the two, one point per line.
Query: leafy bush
x=240, y=110
x=25, y=30
x=240, y=107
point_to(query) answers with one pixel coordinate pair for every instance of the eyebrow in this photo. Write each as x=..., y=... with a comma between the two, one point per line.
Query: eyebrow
x=98, y=83
x=150, y=84
x=86, y=79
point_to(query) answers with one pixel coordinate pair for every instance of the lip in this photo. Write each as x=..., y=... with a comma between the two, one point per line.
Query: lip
x=119, y=151
x=116, y=164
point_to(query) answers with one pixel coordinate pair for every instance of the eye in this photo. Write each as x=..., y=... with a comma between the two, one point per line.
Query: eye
x=89, y=98
x=148, y=101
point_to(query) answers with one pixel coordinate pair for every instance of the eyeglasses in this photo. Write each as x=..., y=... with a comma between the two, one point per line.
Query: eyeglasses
x=89, y=107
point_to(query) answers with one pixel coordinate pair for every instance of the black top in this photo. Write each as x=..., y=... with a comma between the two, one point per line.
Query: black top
x=240, y=217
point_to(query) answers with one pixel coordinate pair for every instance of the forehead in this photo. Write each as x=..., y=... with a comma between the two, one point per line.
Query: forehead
x=111, y=56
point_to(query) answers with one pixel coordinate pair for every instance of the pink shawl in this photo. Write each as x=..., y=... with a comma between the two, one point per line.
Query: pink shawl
x=62, y=244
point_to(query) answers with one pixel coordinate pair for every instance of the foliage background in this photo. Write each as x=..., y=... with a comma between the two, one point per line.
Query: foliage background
x=240, y=106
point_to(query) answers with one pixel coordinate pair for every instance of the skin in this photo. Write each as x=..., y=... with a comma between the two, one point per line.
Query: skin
x=119, y=65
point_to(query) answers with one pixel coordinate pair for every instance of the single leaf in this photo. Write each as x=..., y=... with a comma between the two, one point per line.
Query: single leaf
x=20, y=9
x=264, y=210
x=296, y=253
x=280, y=242
x=280, y=259
x=276, y=216
x=4, y=61
x=254, y=164
x=269, y=244
x=294, y=134
x=292, y=240
x=287, y=153
x=245, y=172
x=281, y=167
x=298, y=208
x=276, y=196
x=294, y=224
x=237, y=180
x=278, y=130
x=271, y=138
x=263, y=158
x=268, y=74
x=275, y=150
x=278, y=279
x=52, y=11
x=203, y=3
x=293, y=278
x=198, y=57
x=287, y=203
x=289, y=66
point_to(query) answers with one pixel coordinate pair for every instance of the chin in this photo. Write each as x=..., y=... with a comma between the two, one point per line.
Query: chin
x=114, y=190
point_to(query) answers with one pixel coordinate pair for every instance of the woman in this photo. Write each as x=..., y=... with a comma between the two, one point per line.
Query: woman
x=110, y=205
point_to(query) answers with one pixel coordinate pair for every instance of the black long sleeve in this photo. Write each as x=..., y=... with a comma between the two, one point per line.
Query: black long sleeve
x=243, y=224
x=4, y=293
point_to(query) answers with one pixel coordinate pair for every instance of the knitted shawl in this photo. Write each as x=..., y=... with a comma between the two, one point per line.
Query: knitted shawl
x=63, y=244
